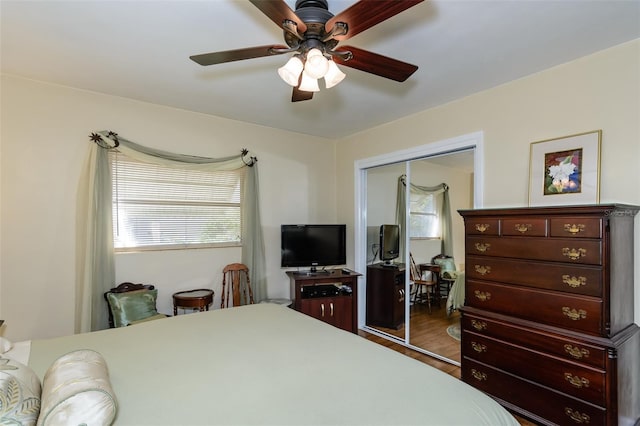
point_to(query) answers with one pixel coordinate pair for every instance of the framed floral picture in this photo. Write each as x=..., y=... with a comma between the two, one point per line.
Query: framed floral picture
x=565, y=170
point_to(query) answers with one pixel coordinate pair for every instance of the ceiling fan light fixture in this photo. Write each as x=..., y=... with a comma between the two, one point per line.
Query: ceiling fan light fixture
x=333, y=75
x=316, y=65
x=308, y=83
x=290, y=72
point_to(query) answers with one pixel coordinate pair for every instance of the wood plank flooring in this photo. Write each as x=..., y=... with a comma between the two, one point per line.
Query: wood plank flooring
x=428, y=331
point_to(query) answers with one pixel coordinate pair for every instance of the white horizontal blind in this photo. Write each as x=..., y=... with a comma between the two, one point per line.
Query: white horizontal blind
x=423, y=216
x=157, y=207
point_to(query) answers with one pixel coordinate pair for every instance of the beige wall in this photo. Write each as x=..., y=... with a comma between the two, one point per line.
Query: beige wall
x=600, y=91
x=44, y=142
x=44, y=139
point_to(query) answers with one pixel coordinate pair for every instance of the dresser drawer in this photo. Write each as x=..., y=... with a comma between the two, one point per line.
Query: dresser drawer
x=578, y=380
x=580, y=313
x=560, y=346
x=482, y=226
x=533, y=400
x=576, y=279
x=577, y=227
x=524, y=227
x=554, y=249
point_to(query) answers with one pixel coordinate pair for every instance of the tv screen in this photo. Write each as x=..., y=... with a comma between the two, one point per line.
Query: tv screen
x=389, y=242
x=313, y=245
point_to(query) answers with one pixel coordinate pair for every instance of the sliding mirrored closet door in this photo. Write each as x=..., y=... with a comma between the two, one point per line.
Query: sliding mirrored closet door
x=438, y=188
x=412, y=308
x=385, y=293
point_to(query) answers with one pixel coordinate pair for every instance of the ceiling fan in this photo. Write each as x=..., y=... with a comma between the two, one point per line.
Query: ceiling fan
x=313, y=34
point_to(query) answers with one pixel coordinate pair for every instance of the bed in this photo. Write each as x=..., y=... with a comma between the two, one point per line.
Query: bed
x=267, y=364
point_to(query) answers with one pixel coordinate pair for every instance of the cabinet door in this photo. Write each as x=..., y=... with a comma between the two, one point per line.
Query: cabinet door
x=336, y=311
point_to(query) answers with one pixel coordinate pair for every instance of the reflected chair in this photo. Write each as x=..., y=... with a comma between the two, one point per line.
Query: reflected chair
x=235, y=282
x=448, y=273
x=130, y=304
x=425, y=289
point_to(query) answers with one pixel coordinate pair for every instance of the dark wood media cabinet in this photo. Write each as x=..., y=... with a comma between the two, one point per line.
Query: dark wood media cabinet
x=340, y=309
x=385, y=295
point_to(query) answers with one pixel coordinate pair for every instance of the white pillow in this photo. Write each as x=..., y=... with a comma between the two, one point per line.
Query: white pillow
x=19, y=394
x=76, y=390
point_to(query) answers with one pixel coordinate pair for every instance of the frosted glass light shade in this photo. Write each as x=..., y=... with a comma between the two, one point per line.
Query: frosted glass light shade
x=308, y=83
x=333, y=76
x=316, y=65
x=290, y=72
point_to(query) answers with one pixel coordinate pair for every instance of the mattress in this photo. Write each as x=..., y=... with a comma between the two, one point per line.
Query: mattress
x=268, y=364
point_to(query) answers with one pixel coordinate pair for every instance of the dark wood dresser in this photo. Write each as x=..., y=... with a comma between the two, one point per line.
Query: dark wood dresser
x=547, y=326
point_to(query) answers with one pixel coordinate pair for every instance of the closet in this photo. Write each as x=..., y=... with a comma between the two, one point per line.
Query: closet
x=385, y=305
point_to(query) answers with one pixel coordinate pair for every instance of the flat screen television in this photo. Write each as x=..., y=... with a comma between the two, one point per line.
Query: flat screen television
x=310, y=246
x=389, y=243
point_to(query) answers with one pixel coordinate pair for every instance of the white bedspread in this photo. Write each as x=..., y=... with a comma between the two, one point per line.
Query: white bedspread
x=267, y=364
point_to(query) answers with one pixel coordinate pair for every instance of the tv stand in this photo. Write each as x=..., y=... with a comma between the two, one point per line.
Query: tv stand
x=312, y=272
x=330, y=296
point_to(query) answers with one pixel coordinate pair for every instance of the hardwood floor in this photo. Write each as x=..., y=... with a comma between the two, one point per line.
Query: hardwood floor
x=429, y=331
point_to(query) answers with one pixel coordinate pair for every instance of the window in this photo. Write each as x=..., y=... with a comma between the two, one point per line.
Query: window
x=157, y=207
x=423, y=216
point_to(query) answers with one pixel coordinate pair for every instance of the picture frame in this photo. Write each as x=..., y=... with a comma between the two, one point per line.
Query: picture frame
x=565, y=170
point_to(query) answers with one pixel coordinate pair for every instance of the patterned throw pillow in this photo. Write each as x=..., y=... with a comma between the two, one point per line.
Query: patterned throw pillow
x=19, y=394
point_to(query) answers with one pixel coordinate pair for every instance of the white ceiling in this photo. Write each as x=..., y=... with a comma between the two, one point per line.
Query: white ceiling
x=140, y=50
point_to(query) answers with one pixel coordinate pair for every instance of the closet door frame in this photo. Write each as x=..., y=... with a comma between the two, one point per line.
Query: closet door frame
x=471, y=141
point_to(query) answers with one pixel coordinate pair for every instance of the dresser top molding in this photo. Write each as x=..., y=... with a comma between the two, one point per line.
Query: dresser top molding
x=611, y=210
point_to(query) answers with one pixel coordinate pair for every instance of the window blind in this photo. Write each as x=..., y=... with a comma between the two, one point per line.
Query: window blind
x=158, y=207
x=423, y=216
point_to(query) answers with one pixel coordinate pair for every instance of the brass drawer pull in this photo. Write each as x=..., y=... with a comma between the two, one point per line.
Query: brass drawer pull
x=478, y=375
x=482, y=270
x=573, y=229
x=574, y=282
x=575, y=381
x=482, y=247
x=577, y=416
x=478, y=347
x=574, y=314
x=482, y=296
x=576, y=352
x=478, y=325
x=523, y=227
x=482, y=227
x=574, y=254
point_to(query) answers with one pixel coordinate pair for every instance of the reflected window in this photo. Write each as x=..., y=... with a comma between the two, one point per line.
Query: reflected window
x=423, y=216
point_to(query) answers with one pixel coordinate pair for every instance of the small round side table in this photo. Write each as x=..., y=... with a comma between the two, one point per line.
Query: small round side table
x=200, y=298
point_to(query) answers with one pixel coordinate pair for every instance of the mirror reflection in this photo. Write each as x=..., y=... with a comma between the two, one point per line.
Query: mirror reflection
x=427, y=216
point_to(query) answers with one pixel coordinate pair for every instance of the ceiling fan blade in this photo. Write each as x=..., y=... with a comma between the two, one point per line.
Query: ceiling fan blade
x=236, y=55
x=373, y=63
x=278, y=11
x=367, y=13
x=299, y=95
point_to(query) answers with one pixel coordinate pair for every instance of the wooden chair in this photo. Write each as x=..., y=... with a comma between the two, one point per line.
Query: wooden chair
x=142, y=309
x=235, y=280
x=424, y=288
